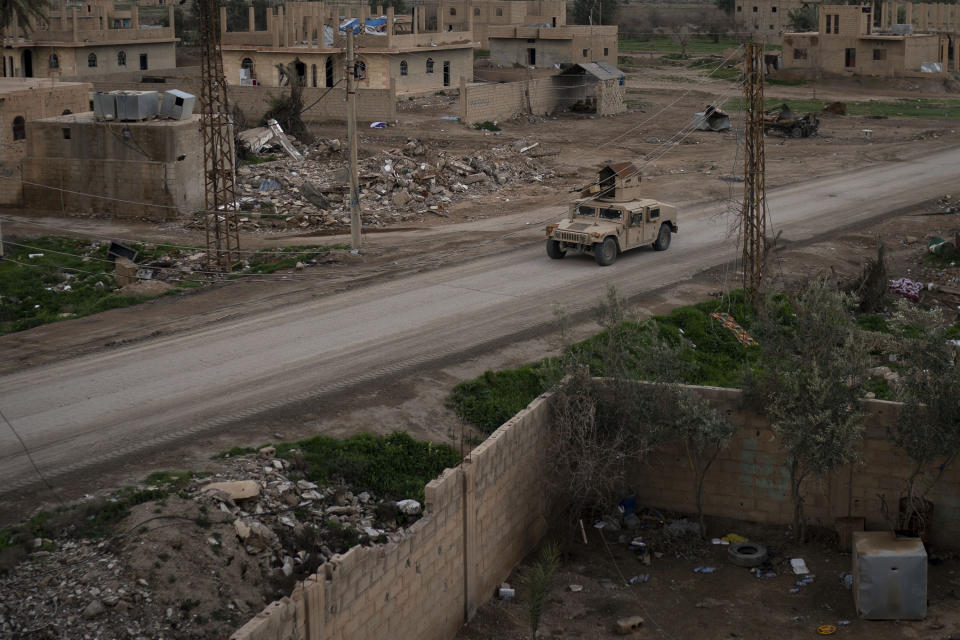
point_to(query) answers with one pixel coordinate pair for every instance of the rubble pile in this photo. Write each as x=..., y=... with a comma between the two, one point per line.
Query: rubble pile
x=196, y=563
x=396, y=185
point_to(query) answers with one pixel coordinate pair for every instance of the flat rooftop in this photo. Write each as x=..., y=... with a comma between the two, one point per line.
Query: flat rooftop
x=87, y=118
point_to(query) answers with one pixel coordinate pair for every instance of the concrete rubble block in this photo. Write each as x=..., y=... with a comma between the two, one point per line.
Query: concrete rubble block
x=237, y=490
x=627, y=626
x=267, y=452
x=124, y=271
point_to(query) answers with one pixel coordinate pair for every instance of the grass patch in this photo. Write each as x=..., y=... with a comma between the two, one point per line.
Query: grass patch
x=233, y=452
x=481, y=53
x=714, y=357
x=65, y=278
x=665, y=44
x=393, y=467
x=95, y=518
x=486, y=125
x=726, y=73
x=901, y=108
x=270, y=260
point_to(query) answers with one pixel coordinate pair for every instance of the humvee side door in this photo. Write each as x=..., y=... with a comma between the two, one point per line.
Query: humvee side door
x=635, y=229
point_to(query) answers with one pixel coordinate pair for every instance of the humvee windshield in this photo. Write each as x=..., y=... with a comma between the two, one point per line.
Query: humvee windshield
x=611, y=214
x=586, y=211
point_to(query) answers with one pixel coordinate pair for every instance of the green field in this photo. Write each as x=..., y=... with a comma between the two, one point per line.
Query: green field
x=666, y=44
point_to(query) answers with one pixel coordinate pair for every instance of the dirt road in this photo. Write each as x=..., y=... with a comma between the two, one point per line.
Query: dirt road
x=85, y=413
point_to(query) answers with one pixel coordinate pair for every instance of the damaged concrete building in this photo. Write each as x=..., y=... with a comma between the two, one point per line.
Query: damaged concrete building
x=848, y=43
x=22, y=100
x=545, y=46
x=87, y=41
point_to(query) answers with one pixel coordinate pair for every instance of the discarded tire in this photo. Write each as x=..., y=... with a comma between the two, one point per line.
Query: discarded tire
x=747, y=554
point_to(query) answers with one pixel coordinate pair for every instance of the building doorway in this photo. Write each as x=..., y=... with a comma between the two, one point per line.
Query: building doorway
x=531, y=57
x=27, y=62
x=850, y=58
x=328, y=72
x=446, y=73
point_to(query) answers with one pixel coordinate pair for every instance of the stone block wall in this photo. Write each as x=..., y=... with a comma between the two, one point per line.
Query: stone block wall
x=482, y=102
x=480, y=520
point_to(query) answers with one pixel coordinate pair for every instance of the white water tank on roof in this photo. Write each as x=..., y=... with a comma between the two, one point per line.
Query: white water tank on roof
x=137, y=105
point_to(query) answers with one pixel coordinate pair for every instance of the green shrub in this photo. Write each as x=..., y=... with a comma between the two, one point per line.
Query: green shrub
x=493, y=398
x=394, y=466
x=486, y=125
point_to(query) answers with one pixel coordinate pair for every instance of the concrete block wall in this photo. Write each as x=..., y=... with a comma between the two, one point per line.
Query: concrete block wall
x=480, y=520
x=372, y=104
x=479, y=103
x=750, y=479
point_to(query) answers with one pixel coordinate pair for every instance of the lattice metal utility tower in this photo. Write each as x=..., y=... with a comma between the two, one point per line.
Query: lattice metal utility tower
x=754, y=220
x=223, y=235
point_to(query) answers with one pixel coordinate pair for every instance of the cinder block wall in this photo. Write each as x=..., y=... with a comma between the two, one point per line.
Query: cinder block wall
x=503, y=100
x=750, y=480
x=481, y=519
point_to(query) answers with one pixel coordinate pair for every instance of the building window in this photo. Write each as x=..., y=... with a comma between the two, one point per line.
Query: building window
x=92, y=60
x=771, y=27
x=606, y=52
x=476, y=11
x=754, y=9
x=429, y=65
x=66, y=133
x=879, y=54
x=121, y=58
x=19, y=128
x=739, y=9
x=850, y=58
x=499, y=11
x=584, y=53
x=403, y=68
x=360, y=70
x=773, y=9
x=66, y=112
x=143, y=62
x=453, y=11
x=313, y=74
x=835, y=19
x=800, y=54
x=54, y=61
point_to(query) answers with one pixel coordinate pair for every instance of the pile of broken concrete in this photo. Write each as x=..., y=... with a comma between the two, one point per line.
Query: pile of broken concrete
x=396, y=185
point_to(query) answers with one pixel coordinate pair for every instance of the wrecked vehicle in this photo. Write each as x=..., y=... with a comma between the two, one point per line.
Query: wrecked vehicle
x=611, y=218
x=786, y=123
x=712, y=119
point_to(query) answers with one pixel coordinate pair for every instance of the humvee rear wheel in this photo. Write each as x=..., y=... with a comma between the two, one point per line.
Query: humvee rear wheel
x=554, y=249
x=797, y=132
x=605, y=252
x=663, y=238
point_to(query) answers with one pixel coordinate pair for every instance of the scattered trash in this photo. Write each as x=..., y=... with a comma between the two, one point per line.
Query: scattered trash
x=450, y=118
x=711, y=119
x=627, y=506
x=281, y=137
x=795, y=590
x=626, y=626
x=643, y=577
x=269, y=185
x=747, y=554
x=506, y=592
x=409, y=507
x=799, y=566
x=705, y=569
x=847, y=580
x=844, y=623
x=682, y=527
x=907, y=288
x=940, y=247
x=34, y=255
x=718, y=541
x=826, y=629
x=838, y=108
x=576, y=588
x=732, y=538
x=378, y=125
x=786, y=123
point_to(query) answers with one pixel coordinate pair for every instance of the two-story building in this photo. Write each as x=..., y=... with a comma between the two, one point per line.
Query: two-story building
x=86, y=41
x=848, y=43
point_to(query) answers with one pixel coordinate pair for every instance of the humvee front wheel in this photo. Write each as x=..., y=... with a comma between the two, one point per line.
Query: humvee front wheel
x=605, y=252
x=663, y=238
x=554, y=249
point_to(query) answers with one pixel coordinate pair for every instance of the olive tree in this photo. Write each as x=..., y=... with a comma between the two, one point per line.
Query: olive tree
x=927, y=428
x=703, y=433
x=809, y=382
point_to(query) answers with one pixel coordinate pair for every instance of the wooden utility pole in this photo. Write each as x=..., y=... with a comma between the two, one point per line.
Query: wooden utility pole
x=754, y=222
x=352, y=139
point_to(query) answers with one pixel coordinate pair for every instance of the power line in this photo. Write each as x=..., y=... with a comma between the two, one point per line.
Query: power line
x=30, y=458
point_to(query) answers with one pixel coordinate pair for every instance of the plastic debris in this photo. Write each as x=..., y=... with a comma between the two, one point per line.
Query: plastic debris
x=378, y=125
x=799, y=566
x=826, y=629
x=844, y=623
x=719, y=541
x=506, y=592
x=643, y=577
x=733, y=538
x=704, y=569
x=576, y=588
x=795, y=590
x=907, y=288
x=847, y=580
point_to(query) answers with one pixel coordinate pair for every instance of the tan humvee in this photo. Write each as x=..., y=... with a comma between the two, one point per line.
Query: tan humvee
x=611, y=218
